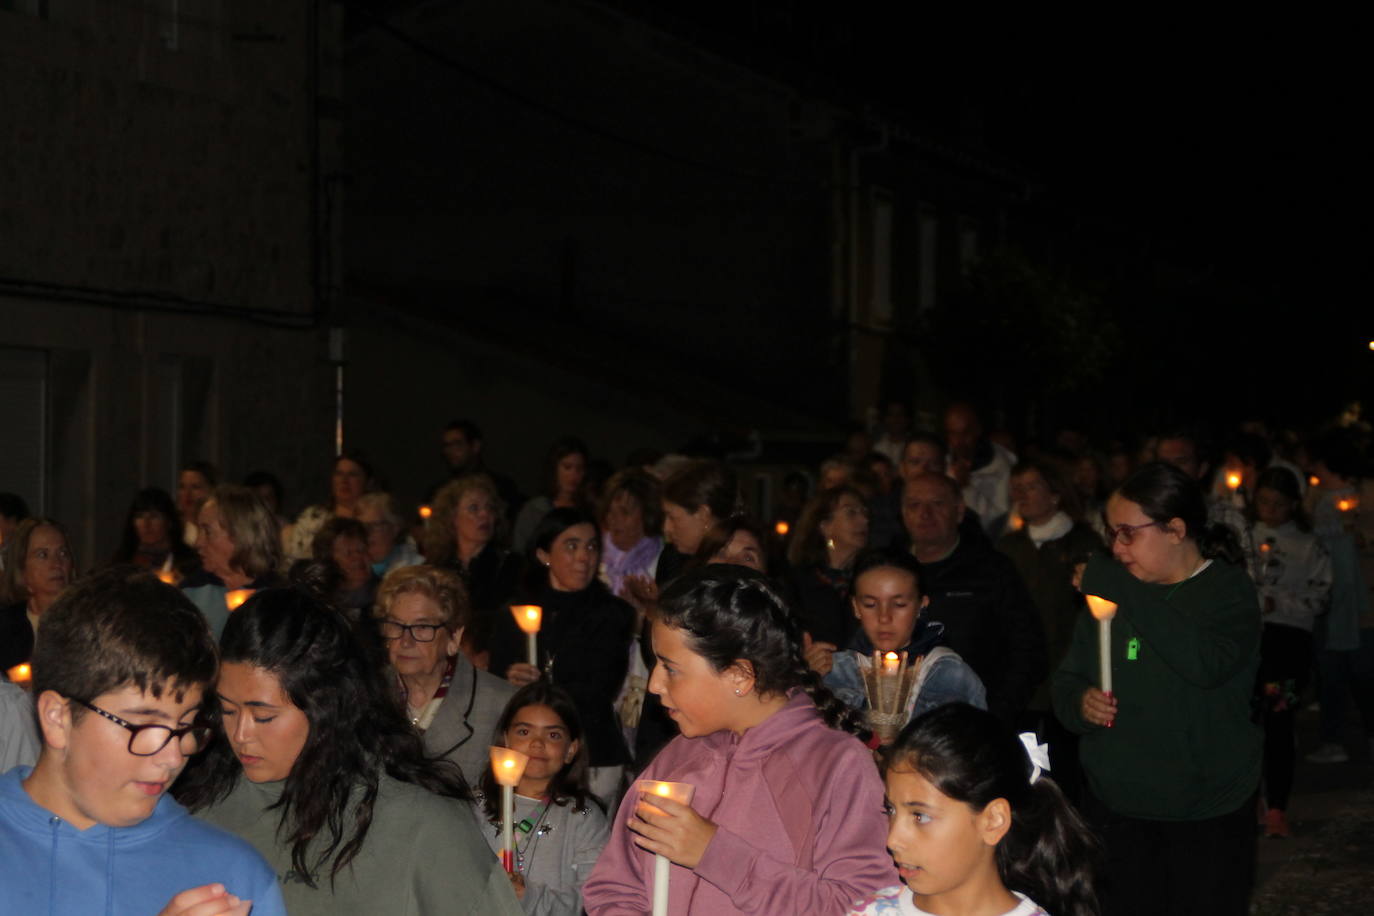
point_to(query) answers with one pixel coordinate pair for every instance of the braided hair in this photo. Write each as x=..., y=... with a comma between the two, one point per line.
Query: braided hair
x=732, y=613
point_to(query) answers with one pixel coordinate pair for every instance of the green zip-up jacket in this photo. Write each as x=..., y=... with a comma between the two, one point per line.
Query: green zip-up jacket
x=1183, y=746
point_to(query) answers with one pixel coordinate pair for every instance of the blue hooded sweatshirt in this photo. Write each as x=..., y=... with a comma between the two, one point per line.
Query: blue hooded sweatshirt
x=47, y=866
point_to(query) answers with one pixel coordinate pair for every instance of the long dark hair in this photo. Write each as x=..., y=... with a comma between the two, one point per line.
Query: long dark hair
x=731, y=613
x=357, y=731
x=1165, y=493
x=569, y=784
x=1049, y=853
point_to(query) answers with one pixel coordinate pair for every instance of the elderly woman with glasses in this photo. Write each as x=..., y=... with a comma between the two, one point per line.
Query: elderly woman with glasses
x=420, y=615
x=1171, y=754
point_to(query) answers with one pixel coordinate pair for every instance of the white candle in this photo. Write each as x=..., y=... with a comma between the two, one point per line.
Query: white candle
x=679, y=792
x=527, y=618
x=1104, y=611
x=507, y=766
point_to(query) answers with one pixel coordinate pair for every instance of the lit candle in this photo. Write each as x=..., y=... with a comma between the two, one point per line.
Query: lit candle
x=782, y=528
x=1104, y=611
x=167, y=573
x=1314, y=481
x=236, y=597
x=679, y=792
x=1233, y=480
x=426, y=512
x=527, y=618
x=508, y=766
x=891, y=663
x=20, y=674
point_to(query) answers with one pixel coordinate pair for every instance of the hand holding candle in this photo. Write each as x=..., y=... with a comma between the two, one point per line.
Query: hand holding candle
x=508, y=766
x=649, y=821
x=528, y=618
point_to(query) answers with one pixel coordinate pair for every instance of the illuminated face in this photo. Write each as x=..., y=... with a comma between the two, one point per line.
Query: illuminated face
x=743, y=549
x=348, y=482
x=266, y=730
x=939, y=844
x=683, y=529
x=541, y=734
x=1154, y=552
x=696, y=696
x=572, y=558
x=1032, y=498
x=150, y=527
x=101, y=782
x=921, y=458
x=887, y=603
x=847, y=525
x=192, y=489
x=474, y=518
x=931, y=512
x=408, y=655
x=48, y=563
x=624, y=521
x=214, y=545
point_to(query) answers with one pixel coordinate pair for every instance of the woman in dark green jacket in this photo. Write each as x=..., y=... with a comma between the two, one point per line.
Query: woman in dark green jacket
x=1171, y=755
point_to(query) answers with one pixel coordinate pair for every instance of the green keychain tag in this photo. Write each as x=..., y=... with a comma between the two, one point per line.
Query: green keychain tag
x=1133, y=649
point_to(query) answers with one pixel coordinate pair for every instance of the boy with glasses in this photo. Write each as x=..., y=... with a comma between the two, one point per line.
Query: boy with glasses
x=119, y=672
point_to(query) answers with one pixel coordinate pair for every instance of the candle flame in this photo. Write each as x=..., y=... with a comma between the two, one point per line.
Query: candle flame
x=680, y=792
x=20, y=674
x=1233, y=480
x=426, y=512
x=891, y=657
x=1314, y=480
x=508, y=765
x=1265, y=547
x=1345, y=505
x=233, y=599
x=527, y=617
x=782, y=528
x=166, y=575
x=1101, y=608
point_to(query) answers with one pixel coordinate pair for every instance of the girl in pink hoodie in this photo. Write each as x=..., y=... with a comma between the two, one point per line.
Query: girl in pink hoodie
x=787, y=815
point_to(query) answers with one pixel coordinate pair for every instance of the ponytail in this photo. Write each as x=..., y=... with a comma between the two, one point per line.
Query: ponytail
x=1218, y=541
x=732, y=613
x=1049, y=853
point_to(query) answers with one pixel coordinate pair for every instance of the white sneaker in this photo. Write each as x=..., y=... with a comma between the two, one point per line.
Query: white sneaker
x=1328, y=753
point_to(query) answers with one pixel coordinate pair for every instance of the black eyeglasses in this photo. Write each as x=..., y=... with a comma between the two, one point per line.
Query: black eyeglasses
x=1126, y=533
x=147, y=740
x=420, y=632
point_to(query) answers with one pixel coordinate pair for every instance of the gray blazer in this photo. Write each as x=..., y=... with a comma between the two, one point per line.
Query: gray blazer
x=462, y=728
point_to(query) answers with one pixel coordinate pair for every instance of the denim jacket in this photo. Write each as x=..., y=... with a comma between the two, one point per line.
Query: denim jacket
x=949, y=679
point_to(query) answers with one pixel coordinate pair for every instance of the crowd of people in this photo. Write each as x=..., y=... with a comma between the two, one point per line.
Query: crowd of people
x=887, y=692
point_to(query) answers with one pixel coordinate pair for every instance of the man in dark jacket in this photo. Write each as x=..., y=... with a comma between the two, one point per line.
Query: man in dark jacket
x=976, y=593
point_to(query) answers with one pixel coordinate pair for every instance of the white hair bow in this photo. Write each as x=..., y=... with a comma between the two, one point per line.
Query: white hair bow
x=1039, y=755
